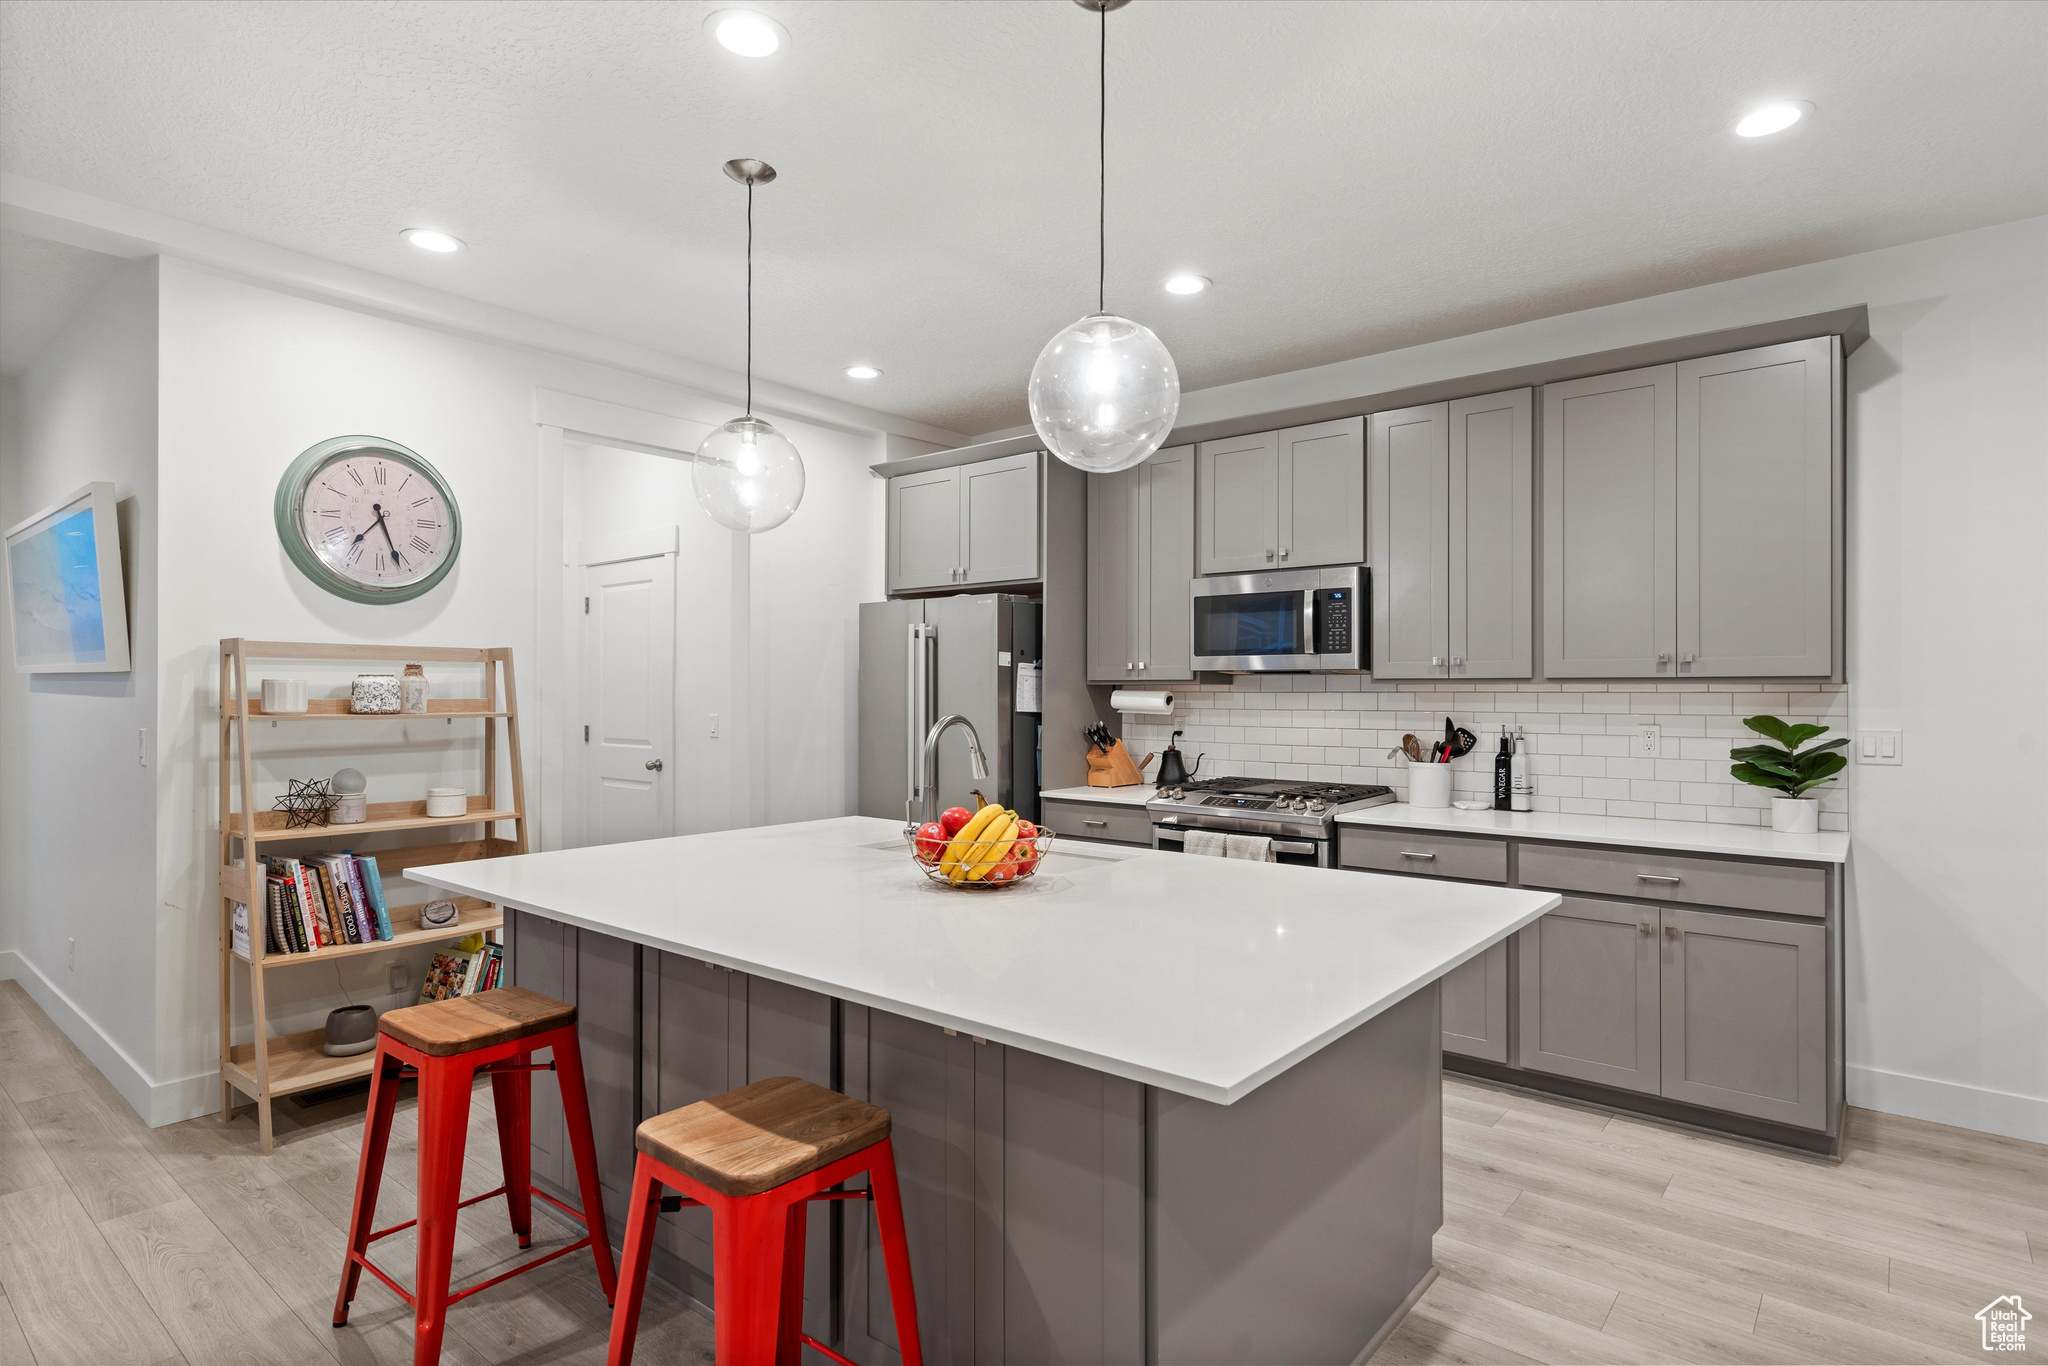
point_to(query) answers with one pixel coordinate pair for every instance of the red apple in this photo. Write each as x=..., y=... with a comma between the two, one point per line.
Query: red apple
x=1025, y=850
x=931, y=841
x=953, y=817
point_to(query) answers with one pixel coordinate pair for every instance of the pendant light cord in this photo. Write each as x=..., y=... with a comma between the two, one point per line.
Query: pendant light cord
x=750, y=296
x=1102, y=166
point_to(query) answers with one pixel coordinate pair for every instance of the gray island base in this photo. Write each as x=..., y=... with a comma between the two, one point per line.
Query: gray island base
x=1057, y=1211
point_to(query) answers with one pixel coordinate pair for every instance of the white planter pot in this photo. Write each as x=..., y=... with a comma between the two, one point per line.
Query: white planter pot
x=1795, y=815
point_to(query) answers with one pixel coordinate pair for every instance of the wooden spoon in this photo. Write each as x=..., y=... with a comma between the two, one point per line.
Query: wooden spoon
x=1412, y=747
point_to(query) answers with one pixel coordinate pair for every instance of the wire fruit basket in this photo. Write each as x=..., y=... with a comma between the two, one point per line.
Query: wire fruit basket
x=982, y=865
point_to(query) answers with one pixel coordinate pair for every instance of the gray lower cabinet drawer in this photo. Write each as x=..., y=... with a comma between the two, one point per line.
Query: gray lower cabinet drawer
x=1097, y=821
x=1397, y=851
x=1746, y=1015
x=1784, y=889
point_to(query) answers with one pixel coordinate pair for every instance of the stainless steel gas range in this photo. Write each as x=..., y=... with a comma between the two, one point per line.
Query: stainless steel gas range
x=1300, y=818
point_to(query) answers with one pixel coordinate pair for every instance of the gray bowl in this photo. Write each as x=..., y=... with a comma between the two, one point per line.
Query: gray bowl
x=350, y=1030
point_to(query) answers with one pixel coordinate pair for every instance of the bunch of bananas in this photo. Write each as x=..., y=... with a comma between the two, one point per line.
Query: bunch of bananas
x=987, y=847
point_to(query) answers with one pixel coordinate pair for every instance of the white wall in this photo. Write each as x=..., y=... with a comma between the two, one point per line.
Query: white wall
x=1948, y=634
x=250, y=378
x=77, y=810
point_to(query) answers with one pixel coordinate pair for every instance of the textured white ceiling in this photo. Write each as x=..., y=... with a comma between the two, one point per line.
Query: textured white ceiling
x=1355, y=176
x=42, y=283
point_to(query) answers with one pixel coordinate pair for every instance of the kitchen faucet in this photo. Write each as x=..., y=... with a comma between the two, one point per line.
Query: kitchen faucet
x=931, y=759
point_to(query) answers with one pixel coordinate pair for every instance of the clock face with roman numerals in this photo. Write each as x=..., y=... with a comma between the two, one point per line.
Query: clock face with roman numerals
x=368, y=519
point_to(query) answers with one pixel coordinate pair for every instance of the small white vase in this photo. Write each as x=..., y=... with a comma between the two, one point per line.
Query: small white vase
x=1795, y=815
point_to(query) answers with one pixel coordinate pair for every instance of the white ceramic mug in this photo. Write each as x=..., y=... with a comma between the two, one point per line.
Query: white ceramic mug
x=1429, y=786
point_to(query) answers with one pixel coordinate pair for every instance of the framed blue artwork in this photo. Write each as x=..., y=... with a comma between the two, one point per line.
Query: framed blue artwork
x=67, y=606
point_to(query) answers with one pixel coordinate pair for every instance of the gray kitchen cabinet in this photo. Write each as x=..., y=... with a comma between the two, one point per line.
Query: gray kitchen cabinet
x=1492, y=534
x=1475, y=1006
x=1290, y=499
x=1757, y=505
x=1023, y=1194
x=1408, y=485
x=1610, y=473
x=999, y=520
x=1692, y=518
x=1237, y=503
x=924, y=530
x=1141, y=535
x=1745, y=1017
x=965, y=525
x=1589, y=994
x=543, y=960
x=1104, y=821
x=1450, y=534
x=1322, y=493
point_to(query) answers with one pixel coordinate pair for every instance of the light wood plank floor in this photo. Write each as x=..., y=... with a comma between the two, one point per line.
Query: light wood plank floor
x=1570, y=1235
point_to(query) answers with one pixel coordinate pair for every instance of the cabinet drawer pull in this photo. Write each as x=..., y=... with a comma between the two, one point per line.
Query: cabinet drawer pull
x=1086, y=821
x=1657, y=877
x=1416, y=853
x=1671, y=931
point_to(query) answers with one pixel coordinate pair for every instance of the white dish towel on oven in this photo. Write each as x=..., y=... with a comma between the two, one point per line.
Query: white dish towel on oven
x=1256, y=848
x=1210, y=843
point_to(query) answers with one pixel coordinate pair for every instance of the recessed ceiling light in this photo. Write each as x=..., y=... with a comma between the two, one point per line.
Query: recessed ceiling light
x=428, y=239
x=862, y=372
x=1186, y=284
x=745, y=32
x=1767, y=119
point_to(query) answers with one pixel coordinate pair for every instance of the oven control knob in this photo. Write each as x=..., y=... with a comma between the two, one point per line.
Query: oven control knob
x=1315, y=804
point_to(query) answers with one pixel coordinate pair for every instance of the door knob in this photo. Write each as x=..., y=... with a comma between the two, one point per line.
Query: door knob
x=1269, y=554
x=654, y=765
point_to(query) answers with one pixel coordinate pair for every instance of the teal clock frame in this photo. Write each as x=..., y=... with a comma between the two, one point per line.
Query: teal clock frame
x=291, y=490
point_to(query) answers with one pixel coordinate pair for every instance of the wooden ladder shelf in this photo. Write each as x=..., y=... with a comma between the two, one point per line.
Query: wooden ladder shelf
x=276, y=1065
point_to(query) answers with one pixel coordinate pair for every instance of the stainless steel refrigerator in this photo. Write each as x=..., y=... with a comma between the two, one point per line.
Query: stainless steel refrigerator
x=923, y=658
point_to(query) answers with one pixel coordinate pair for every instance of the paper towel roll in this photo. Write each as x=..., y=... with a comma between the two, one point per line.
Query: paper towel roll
x=1145, y=703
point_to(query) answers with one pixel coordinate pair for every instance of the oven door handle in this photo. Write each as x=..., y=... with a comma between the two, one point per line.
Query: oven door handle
x=1279, y=846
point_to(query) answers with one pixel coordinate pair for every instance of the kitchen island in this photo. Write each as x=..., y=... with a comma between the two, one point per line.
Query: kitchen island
x=1147, y=1106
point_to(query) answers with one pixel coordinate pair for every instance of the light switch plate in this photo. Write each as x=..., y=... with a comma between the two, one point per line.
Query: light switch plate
x=400, y=977
x=1649, y=742
x=1880, y=747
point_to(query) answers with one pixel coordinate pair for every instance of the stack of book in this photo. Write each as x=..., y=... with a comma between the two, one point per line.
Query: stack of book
x=463, y=974
x=322, y=901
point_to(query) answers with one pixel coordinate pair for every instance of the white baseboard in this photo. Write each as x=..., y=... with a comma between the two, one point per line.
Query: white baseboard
x=159, y=1103
x=1947, y=1102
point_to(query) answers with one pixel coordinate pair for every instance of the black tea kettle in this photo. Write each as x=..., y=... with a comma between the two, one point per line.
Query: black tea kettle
x=1172, y=772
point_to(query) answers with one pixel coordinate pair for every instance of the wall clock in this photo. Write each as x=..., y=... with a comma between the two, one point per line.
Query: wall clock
x=368, y=520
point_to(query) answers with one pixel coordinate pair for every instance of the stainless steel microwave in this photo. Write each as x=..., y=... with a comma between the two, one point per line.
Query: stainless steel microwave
x=1292, y=620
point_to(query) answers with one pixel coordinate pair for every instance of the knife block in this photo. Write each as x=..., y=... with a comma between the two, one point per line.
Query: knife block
x=1115, y=768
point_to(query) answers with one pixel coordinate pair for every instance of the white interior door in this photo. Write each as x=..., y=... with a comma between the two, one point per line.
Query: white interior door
x=629, y=683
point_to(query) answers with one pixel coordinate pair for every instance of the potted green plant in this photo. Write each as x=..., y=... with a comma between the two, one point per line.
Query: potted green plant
x=1789, y=771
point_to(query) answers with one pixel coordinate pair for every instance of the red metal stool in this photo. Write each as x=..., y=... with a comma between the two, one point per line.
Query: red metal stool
x=445, y=1044
x=757, y=1157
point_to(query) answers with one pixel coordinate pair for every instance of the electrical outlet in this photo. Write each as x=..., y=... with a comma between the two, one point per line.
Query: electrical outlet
x=1649, y=742
x=1880, y=747
x=399, y=977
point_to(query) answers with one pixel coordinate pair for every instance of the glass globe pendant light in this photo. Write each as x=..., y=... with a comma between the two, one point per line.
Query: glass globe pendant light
x=747, y=475
x=1104, y=392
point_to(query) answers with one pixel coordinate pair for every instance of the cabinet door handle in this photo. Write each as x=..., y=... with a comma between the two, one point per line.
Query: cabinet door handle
x=1285, y=553
x=1457, y=659
x=1685, y=659
x=1645, y=928
x=1657, y=877
x=1663, y=659
x=1672, y=931
x=1086, y=821
x=1141, y=666
x=1128, y=666
x=1436, y=661
x=1416, y=853
x=1269, y=554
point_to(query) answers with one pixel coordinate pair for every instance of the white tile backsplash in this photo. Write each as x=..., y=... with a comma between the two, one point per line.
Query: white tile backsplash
x=1339, y=728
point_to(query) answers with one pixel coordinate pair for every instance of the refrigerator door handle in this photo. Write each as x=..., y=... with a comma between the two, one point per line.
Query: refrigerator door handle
x=919, y=716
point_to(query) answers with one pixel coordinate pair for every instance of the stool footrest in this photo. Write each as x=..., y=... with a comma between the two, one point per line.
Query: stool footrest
x=400, y=1228
x=672, y=1203
x=822, y=1350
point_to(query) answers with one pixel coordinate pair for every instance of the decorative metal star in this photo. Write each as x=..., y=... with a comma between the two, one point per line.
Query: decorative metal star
x=305, y=802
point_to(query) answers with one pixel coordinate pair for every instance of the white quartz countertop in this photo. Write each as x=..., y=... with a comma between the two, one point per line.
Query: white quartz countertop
x=1693, y=837
x=1135, y=795
x=1202, y=976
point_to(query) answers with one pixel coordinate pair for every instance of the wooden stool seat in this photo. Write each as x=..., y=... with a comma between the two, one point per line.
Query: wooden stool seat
x=463, y=1024
x=761, y=1136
